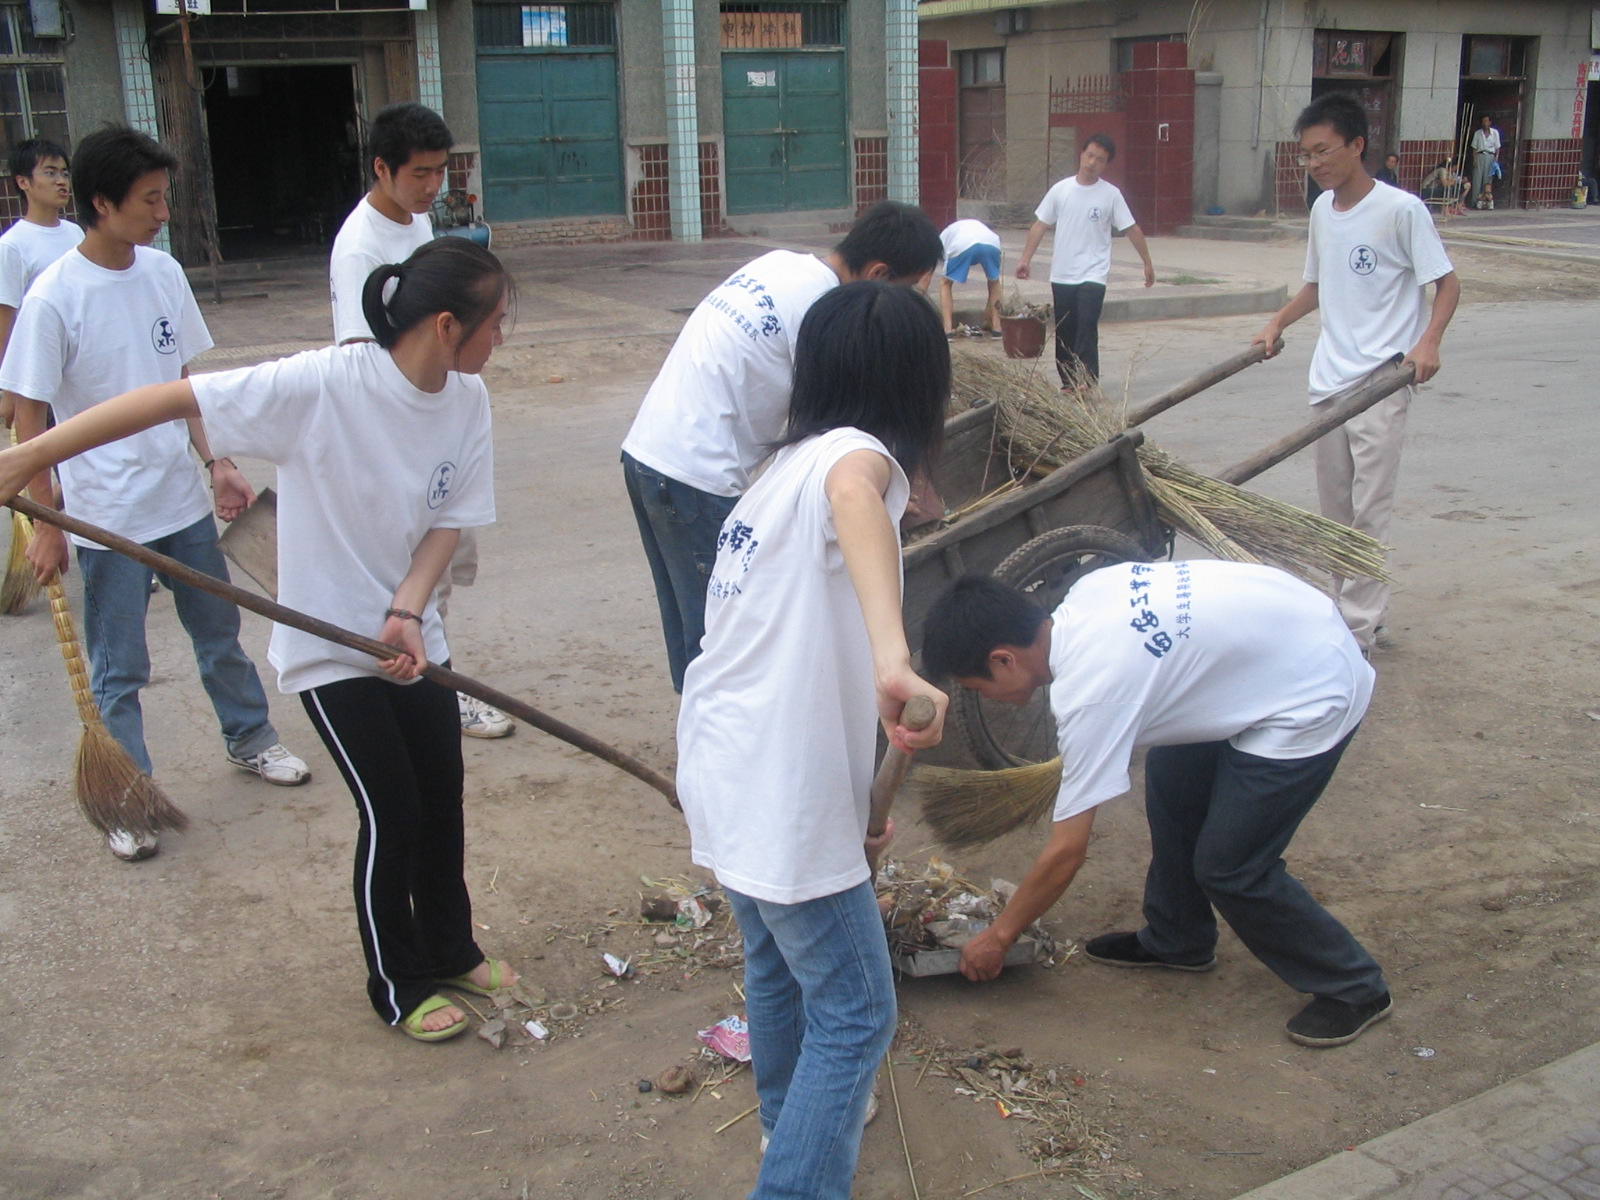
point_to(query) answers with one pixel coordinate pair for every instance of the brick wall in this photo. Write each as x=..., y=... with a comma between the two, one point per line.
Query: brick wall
x=650, y=204
x=872, y=172
x=1549, y=170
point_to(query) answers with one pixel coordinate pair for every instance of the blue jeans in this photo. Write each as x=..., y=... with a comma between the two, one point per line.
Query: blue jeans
x=678, y=525
x=820, y=993
x=1220, y=820
x=116, y=597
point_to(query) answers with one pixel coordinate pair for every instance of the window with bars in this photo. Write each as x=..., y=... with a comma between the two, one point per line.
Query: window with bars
x=545, y=26
x=779, y=26
x=33, y=86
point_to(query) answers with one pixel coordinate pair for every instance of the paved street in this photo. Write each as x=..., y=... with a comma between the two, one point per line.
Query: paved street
x=195, y=1025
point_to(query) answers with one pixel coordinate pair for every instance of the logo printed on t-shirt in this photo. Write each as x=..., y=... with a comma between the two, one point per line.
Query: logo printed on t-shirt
x=1094, y=212
x=162, y=337
x=444, y=477
x=1363, y=261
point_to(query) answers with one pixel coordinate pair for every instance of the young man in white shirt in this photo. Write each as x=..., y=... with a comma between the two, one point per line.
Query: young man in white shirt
x=721, y=400
x=410, y=148
x=109, y=316
x=1370, y=255
x=1245, y=687
x=967, y=244
x=1485, y=151
x=39, y=169
x=1084, y=210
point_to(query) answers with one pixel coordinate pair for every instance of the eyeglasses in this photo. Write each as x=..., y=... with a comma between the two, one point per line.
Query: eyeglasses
x=1316, y=156
x=53, y=174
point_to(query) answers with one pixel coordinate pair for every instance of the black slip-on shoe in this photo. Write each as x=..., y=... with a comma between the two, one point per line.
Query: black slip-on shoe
x=1329, y=1022
x=1125, y=950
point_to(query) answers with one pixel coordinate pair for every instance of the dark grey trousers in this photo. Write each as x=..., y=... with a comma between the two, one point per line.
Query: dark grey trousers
x=1220, y=821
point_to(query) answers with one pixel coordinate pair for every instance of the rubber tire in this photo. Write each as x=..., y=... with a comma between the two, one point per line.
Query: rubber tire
x=1000, y=735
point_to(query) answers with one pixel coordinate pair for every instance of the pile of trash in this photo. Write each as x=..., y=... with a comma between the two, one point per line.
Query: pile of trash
x=929, y=906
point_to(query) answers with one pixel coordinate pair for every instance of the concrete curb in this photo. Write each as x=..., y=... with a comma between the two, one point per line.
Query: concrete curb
x=1195, y=304
x=1537, y=1135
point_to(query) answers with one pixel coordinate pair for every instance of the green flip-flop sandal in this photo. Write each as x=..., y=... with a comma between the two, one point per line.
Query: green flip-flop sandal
x=412, y=1025
x=498, y=970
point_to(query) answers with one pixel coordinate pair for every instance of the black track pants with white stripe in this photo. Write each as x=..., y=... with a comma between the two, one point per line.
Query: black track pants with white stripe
x=399, y=750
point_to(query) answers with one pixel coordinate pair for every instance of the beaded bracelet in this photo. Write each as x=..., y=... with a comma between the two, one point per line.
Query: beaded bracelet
x=403, y=614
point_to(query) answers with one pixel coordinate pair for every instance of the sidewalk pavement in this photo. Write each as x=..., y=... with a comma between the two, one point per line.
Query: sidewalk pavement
x=1534, y=1138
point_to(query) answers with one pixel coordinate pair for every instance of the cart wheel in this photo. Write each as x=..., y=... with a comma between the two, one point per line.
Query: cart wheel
x=1003, y=735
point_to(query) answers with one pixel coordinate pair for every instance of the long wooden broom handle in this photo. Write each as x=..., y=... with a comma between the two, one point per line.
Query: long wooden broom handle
x=916, y=716
x=274, y=611
x=1199, y=383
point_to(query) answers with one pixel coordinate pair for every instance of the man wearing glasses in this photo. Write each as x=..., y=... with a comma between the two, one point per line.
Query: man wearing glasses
x=1371, y=254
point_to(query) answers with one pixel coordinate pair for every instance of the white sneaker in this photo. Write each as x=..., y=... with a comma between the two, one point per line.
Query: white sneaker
x=131, y=848
x=481, y=720
x=276, y=765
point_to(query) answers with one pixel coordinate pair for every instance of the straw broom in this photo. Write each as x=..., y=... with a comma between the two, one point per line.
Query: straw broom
x=112, y=792
x=1045, y=427
x=20, y=584
x=968, y=808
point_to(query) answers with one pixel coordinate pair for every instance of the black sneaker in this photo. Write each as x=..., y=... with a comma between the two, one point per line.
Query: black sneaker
x=1125, y=950
x=1329, y=1022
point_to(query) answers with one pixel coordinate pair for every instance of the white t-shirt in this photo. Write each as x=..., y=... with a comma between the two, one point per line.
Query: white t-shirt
x=366, y=241
x=722, y=396
x=1486, y=141
x=960, y=236
x=1084, y=218
x=1371, y=265
x=779, y=721
x=1170, y=654
x=26, y=250
x=85, y=334
x=367, y=464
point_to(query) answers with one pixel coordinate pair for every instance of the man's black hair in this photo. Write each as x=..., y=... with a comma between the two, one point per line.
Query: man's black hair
x=1341, y=111
x=1103, y=140
x=26, y=156
x=898, y=235
x=976, y=615
x=872, y=356
x=401, y=130
x=109, y=162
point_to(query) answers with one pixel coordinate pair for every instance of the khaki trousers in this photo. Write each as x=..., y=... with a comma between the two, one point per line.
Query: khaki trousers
x=1357, y=467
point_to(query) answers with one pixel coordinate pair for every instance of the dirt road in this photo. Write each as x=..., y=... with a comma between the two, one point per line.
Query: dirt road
x=195, y=1025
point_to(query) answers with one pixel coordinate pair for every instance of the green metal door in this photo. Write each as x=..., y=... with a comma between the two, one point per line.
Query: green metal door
x=548, y=130
x=784, y=126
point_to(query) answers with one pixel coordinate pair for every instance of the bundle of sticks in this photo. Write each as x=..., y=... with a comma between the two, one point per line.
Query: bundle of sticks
x=1045, y=427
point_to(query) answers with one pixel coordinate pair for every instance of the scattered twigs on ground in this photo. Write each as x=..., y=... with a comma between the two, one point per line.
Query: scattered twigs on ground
x=900, y=1122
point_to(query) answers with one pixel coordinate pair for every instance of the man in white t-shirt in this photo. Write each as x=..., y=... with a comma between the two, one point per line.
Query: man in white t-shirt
x=1485, y=152
x=39, y=168
x=1084, y=210
x=1245, y=687
x=721, y=400
x=968, y=243
x=410, y=148
x=1371, y=253
x=110, y=316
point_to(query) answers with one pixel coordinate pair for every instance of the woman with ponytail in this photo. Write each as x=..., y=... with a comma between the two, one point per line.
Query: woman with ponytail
x=384, y=454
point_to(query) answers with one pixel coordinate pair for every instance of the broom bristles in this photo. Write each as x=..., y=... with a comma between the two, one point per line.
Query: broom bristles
x=968, y=808
x=115, y=794
x=20, y=584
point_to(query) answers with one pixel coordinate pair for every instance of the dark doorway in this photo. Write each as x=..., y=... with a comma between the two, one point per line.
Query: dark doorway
x=1363, y=64
x=1494, y=80
x=285, y=156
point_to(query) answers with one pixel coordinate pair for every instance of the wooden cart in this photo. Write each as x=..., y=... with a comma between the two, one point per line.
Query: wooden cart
x=1046, y=534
